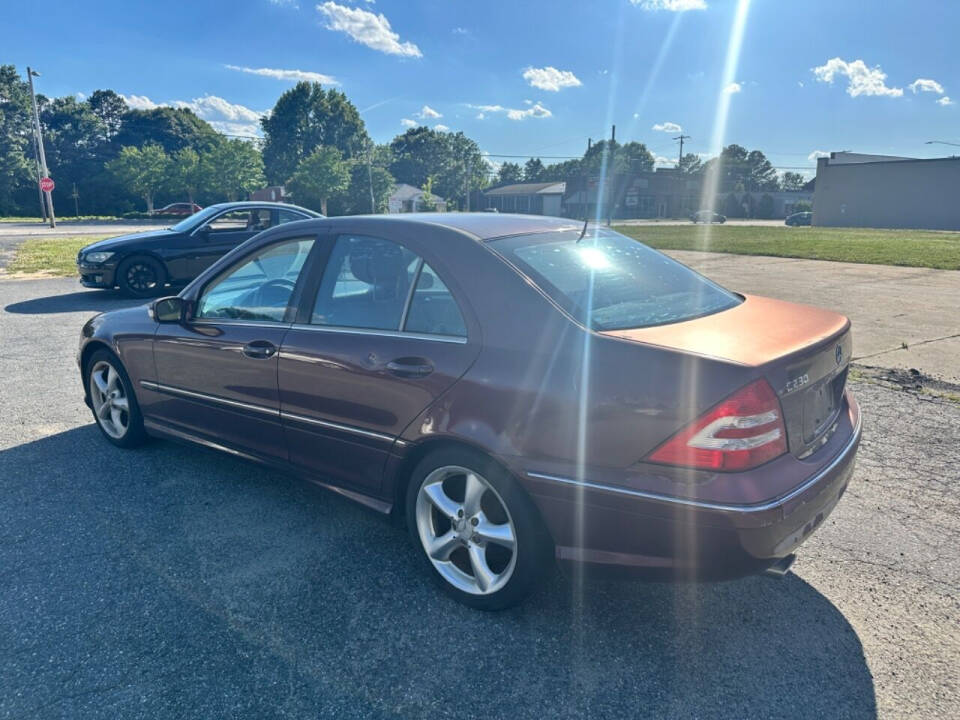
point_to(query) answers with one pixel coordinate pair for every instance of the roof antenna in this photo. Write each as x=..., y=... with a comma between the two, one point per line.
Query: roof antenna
x=584, y=231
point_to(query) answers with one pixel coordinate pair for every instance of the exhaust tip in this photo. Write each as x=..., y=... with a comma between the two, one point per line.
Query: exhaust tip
x=781, y=567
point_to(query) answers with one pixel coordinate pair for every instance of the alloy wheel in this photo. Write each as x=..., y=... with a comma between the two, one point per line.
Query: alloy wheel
x=110, y=401
x=141, y=277
x=466, y=530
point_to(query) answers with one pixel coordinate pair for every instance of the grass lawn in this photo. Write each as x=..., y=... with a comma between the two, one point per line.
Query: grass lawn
x=914, y=248
x=65, y=218
x=54, y=256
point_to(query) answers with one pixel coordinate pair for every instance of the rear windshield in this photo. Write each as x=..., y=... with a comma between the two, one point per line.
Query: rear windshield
x=608, y=281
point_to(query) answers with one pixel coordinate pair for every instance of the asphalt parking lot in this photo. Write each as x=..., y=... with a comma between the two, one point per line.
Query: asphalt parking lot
x=173, y=582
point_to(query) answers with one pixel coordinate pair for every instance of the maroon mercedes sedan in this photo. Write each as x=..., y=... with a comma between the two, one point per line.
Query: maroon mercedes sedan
x=519, y=391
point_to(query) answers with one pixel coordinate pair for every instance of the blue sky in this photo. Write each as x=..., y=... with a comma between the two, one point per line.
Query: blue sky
x=530, y=76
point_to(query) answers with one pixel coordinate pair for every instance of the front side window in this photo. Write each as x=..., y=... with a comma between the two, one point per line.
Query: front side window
x=241, y=221
x=365, y=284
x=608, y=281
x=259, y=287
x=285, y=216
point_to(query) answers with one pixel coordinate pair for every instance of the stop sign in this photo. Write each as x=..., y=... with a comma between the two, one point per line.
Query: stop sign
x=46, y=184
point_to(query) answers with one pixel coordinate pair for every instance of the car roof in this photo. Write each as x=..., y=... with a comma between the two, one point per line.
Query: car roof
x=243, y=204
x=482, y=225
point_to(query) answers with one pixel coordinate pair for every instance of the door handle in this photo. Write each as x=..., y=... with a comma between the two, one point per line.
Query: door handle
x=411, y=367
x=259, y=349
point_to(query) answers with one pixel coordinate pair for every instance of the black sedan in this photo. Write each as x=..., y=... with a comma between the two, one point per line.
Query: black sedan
x=707, y=217
x=141, y=264
x=800, y=218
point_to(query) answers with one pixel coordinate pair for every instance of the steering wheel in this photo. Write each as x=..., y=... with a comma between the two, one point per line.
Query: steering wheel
x=274, y=293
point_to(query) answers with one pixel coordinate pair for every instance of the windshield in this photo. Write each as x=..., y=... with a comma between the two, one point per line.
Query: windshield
x=195, y=220
x=608, y=281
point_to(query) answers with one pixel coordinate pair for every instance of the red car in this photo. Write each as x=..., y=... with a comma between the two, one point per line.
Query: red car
x=517, y=391
x=180, y=208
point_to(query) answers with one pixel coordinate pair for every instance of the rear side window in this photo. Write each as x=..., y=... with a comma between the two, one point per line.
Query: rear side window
x=365, y=284
x=608, y=281
x=433, y=311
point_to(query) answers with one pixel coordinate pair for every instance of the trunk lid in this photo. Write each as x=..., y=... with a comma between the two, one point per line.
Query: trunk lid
x=802, y=351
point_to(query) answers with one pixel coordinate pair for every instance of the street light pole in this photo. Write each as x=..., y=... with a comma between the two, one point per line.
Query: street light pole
x=36, y=162
x=941, y=142
x=36, y=129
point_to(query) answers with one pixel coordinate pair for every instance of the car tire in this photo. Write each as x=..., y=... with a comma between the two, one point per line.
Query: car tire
x=490, y=550
x=112, y=400
x=141, y=276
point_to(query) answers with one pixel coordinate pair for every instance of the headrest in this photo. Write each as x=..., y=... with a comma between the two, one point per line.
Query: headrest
x=378, y=263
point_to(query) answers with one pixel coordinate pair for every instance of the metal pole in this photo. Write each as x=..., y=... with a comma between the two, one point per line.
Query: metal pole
x=36, y=162
x=373, y=202
x=43, y=157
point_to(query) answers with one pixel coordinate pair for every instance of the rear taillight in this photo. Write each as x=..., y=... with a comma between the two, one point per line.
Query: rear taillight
x=743, y=431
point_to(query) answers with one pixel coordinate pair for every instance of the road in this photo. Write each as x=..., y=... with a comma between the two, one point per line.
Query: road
x=171, y=582
x=83, y=227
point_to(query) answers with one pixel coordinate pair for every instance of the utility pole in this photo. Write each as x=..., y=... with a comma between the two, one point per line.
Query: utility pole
x=680, y=159
x=611, y=152
x=36, y=162
x=373, y=201
x=76, y=201
x=36, y=128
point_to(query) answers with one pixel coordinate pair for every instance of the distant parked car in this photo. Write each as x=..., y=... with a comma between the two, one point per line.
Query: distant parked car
x=180, y=208
x=141, y=264
x=800, y=218
x=706, y=216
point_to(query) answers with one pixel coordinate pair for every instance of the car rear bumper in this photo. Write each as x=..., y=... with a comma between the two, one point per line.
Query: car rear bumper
x=96, y=276
x=630, y=532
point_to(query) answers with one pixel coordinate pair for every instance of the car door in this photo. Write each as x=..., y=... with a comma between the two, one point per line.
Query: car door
x=224, y=232
x=379, y=339
x=217, y=371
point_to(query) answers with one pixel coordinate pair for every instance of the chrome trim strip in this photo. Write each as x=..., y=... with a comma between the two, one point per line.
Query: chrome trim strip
x=169, y=390
x=799, y=490
x=239, y=323
x=379, y=333
x=158, y=387
x=336, y=426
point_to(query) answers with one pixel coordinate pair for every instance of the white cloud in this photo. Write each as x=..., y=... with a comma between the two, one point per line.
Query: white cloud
x=367, y=28
x=661, y=160
x=671, y=5
x=945, y=100
x=295, y=75
x=460, y=31
x=669, y=127
x=81, y=96
x=285, y=3
x=861, y=80
x=926, y=85
x=732, y=88
x=428, y=113
x=551, y=79
x=408, y=123
x=439, y=127
x=536, y=110
x=139, y=102
x=225, y=116
x=812, y=157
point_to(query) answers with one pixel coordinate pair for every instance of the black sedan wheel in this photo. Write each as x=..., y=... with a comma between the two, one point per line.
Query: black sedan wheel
x=141, y=277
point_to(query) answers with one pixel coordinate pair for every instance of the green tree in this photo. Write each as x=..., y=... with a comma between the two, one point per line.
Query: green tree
x=76, y=148
x=15, y=165
x=320, y=176
x=765, y=207
x=453, y=160
x=534, y=171
x=232, y=168
x=428, y=203
x=365, y=172
x=143, y=170
x=732, y=207
x=110, y=108
x=740, y=169
x=305, y=118
x=509, y=173
x=791, y=181
x=691, y=164
x=185, y=174
x=171, y=128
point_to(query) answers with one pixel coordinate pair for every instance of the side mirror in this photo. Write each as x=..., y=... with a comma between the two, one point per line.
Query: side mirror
x=168, y=309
